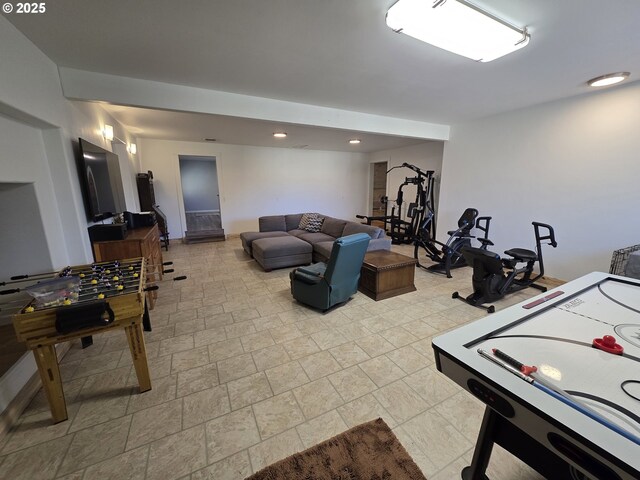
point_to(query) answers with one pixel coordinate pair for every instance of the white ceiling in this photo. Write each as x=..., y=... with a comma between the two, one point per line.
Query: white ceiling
x=336, y=53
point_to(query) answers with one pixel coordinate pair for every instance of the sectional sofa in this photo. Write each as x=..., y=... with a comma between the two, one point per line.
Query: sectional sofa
x=280, y=242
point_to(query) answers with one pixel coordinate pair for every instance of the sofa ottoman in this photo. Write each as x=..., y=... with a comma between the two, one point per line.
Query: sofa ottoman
x=279, y=252
x=248, y=238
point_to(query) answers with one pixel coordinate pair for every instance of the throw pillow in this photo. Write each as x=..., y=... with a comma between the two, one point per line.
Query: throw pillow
x=311, y=222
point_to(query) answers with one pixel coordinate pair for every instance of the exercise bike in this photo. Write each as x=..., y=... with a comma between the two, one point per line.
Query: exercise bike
x=449, y=255
x=491, y=281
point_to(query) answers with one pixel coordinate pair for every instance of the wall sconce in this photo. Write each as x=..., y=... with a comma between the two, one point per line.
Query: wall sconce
x=132, y=148
x=107, y=132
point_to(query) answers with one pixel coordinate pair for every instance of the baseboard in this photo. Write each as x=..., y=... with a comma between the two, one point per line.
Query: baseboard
x=553, y=282
x=9, y=417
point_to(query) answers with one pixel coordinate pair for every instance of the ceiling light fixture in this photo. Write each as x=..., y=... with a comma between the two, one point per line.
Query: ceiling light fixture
x=354, y=141
x=107, y=132
x=457, y=26
x=280, y=134
x=609, y=79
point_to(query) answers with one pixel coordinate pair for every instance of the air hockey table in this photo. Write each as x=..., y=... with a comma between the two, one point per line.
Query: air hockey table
x=583, y=419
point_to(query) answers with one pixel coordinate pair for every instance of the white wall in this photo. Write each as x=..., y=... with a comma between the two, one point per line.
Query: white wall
x=574, y=164
x=426, y=156
x=255, y=181
x=23, y=247
x=38, y=128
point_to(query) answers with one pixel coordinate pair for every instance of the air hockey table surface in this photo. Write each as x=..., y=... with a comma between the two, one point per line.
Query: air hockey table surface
x=597, y=431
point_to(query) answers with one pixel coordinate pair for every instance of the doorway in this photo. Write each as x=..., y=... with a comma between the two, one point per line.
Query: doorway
x=201, y=197
x=379, y=191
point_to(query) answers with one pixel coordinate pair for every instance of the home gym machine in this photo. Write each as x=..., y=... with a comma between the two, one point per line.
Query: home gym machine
x=490, y=280
x=401, y=230
x=449, y=255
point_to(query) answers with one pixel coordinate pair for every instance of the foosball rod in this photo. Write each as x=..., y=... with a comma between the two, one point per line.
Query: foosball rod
x=20, y=302
x=99, y=268
x=128, y=286
x=91, y=275
x=126, y=289
x=121, y=280
x=113, y=265
x=18, y=290
x=111, y=292
x=71, y=270
x=11, y=291
x=92, y=272
x=83, y=297
x=28, y=278
x=126, y=277
x=68, y=268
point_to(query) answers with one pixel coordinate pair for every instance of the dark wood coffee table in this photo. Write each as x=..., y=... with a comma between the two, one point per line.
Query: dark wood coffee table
x=385, y=274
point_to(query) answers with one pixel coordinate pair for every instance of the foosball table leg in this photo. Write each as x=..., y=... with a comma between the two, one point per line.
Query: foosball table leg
x=47, y=362
x=139, y=355
x=146, y=319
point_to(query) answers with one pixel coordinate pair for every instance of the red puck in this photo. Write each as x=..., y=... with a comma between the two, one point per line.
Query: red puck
x=608, y=344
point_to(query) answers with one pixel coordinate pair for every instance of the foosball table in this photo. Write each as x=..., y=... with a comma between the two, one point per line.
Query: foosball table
x=85, y=300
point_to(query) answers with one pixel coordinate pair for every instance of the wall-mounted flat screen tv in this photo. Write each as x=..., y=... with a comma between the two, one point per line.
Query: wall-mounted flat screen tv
x=101, y=181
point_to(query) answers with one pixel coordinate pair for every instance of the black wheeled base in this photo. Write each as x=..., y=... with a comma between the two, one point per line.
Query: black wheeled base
x=477, y=299
x=470, y=301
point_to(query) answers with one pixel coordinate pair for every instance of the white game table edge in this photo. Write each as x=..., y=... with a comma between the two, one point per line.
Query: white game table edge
x=452, y=343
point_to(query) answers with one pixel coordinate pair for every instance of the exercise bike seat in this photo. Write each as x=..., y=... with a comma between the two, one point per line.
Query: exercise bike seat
x=522, y=254
x=485, y=242
x=465, y=223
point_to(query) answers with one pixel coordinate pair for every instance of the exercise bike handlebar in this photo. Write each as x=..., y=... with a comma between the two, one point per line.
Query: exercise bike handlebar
x=550, y=236
x=454, y=234
x=419, y=171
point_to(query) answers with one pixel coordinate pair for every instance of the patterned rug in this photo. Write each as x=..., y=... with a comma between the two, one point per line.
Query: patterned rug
x=367, y=452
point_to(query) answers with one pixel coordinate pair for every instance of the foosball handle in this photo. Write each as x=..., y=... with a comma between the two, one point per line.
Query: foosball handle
x=19, y=277
x=168, y=270
x=167, y=263
x=152, y=288
x=10, y=291
x=182, y=277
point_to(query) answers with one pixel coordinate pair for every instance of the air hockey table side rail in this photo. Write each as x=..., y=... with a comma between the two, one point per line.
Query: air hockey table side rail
x=554, y=428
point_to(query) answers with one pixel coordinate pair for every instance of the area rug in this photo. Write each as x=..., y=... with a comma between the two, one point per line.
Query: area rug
x=367, y=452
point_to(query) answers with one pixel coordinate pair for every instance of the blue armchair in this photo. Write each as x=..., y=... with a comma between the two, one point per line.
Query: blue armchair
x=324, y=285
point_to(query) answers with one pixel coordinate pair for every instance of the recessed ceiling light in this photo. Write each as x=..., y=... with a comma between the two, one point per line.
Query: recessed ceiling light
x=609, y=79
x=280, y=134
x=354, y=141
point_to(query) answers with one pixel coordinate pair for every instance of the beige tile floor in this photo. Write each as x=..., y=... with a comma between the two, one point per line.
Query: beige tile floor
x=243, y=376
